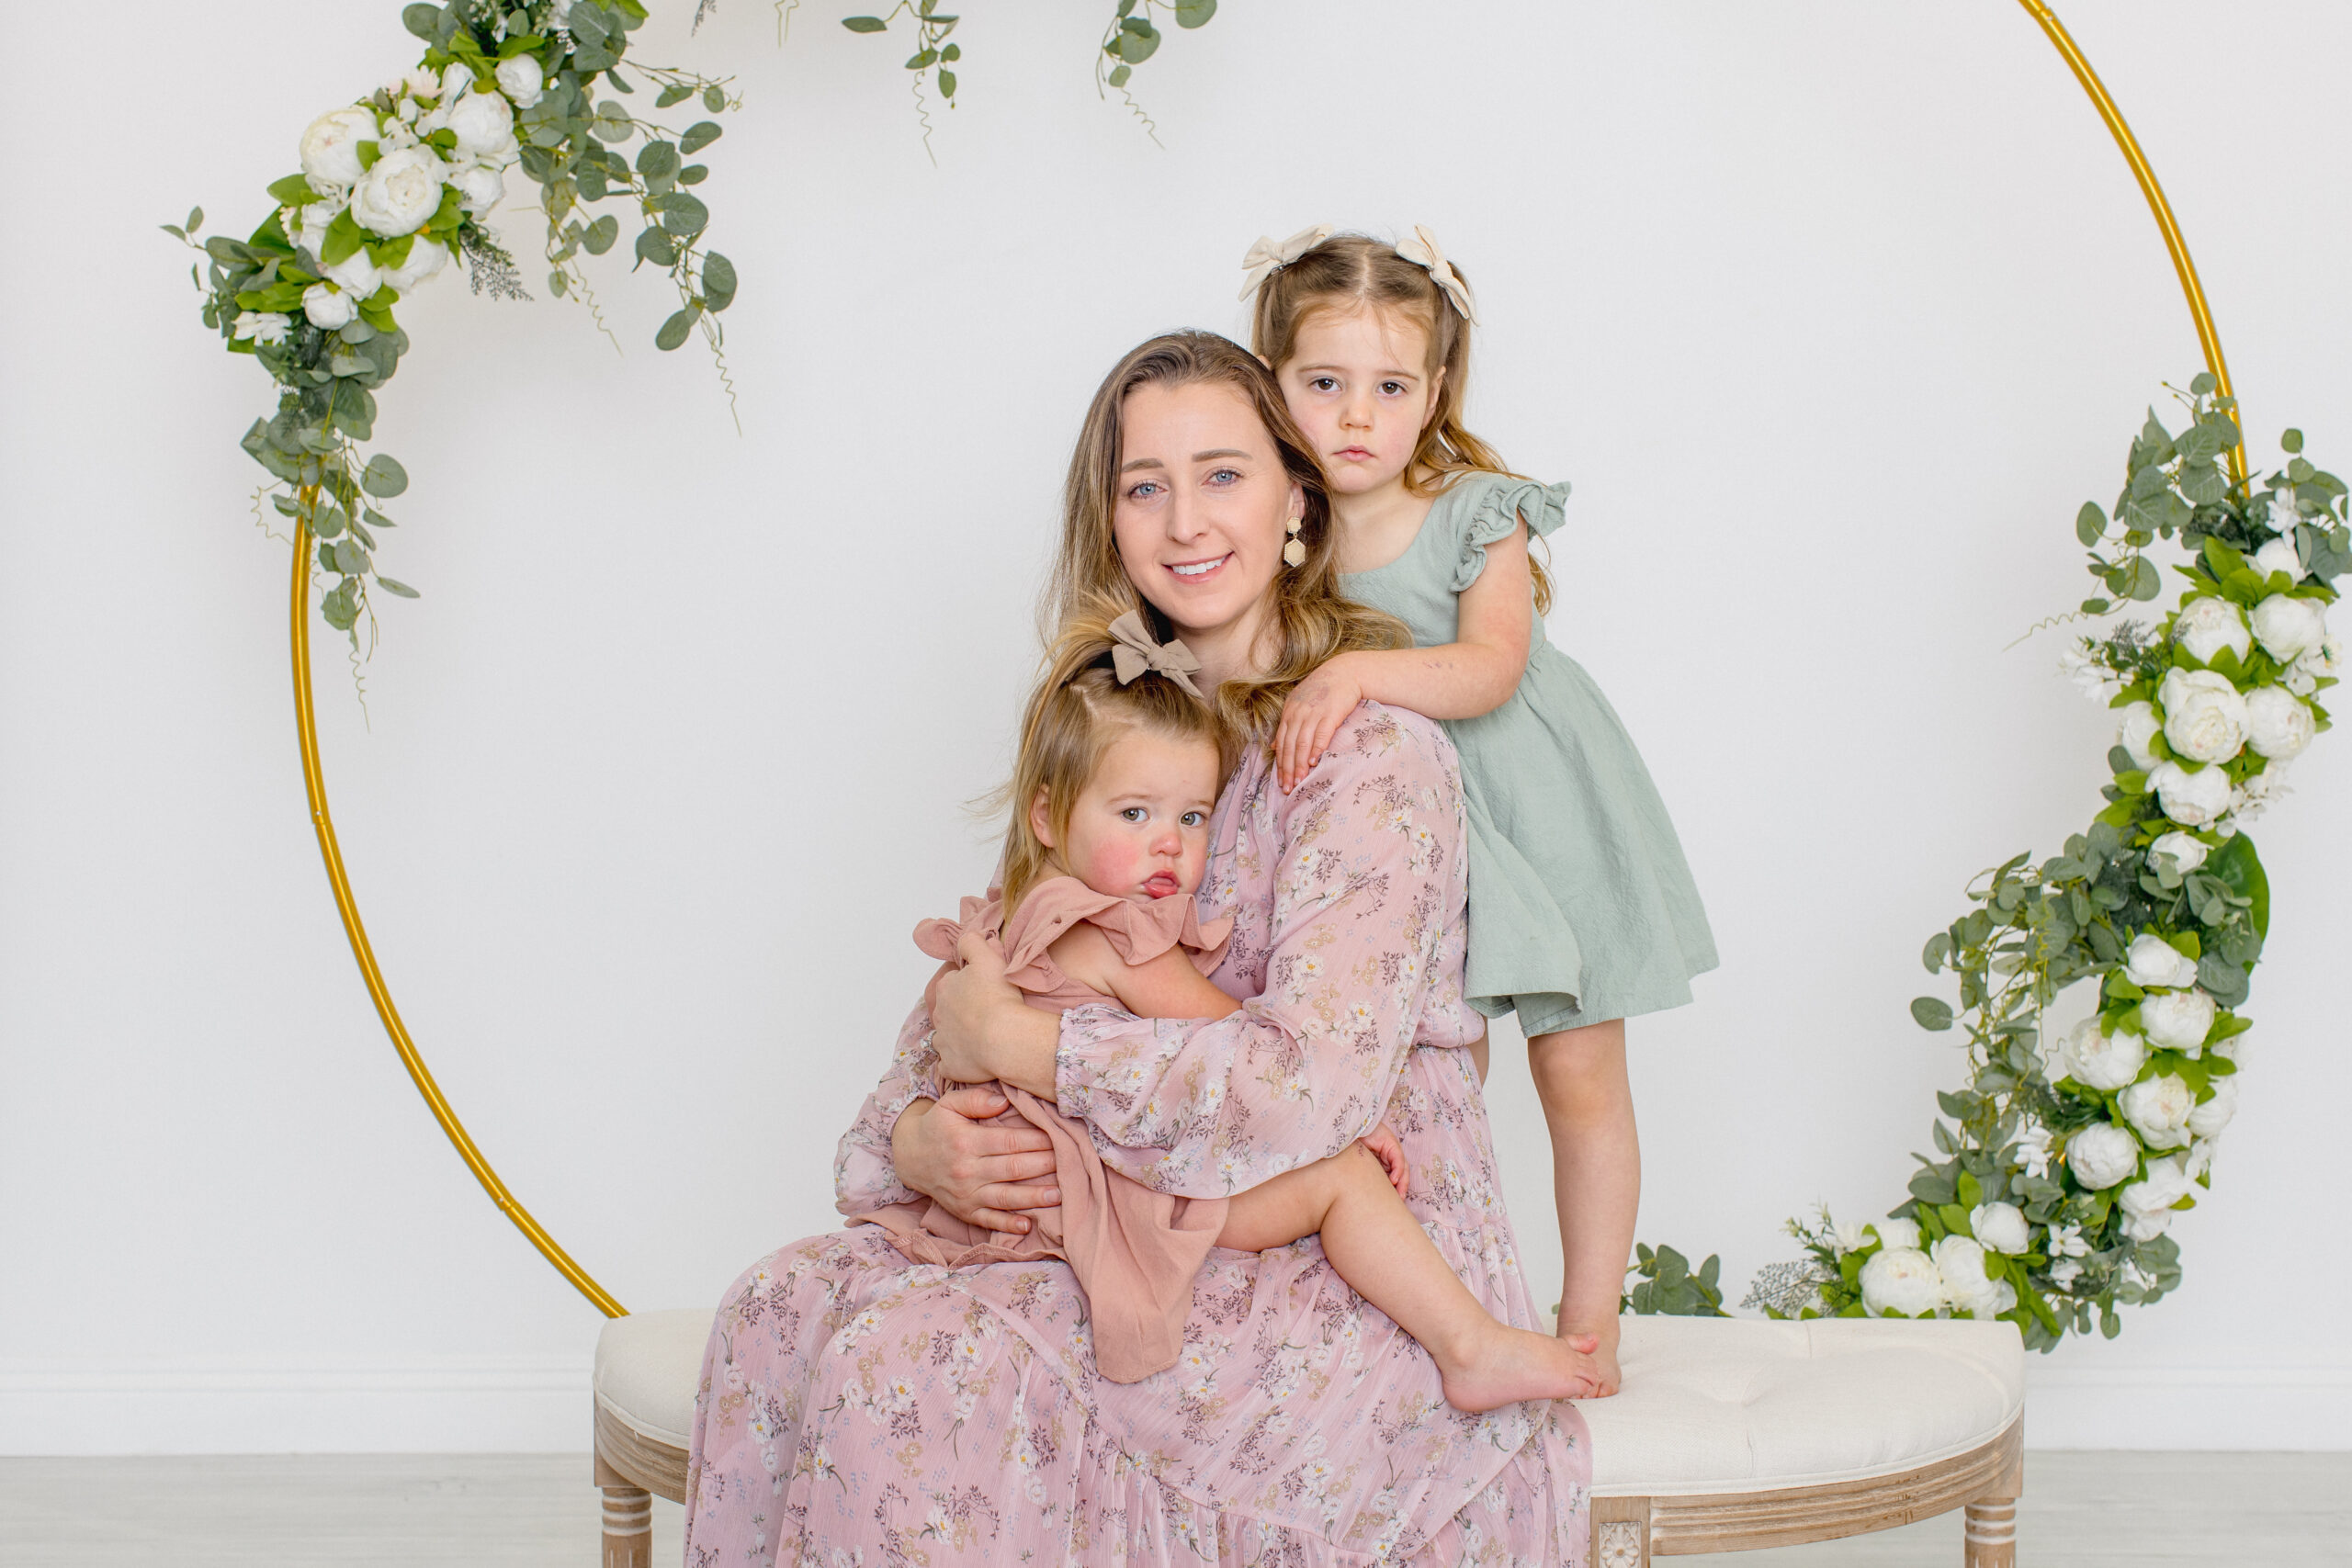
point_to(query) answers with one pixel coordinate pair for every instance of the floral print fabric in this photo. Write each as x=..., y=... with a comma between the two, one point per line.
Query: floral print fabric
x=858, y=1409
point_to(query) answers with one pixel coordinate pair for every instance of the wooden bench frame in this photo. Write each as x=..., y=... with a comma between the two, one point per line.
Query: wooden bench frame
x=1627, y=1530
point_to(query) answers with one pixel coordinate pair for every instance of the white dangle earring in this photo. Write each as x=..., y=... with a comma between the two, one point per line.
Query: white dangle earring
x=1294, y=552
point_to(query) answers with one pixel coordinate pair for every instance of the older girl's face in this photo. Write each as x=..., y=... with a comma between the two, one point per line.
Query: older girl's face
x=1204, y=500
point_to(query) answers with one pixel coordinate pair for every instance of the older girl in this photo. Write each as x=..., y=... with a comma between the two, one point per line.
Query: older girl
x=852, y=1402
x=1582, y=910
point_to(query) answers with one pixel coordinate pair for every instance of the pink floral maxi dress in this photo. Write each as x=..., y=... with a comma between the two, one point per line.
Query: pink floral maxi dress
x=858, y=1409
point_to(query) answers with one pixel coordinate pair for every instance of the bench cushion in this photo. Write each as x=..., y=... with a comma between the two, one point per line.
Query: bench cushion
x=1709, y=1405
x=647, y=1366
x=1712, y=1405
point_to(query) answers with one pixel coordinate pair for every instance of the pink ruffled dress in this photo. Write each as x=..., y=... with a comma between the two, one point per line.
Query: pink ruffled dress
x=1134, y=1251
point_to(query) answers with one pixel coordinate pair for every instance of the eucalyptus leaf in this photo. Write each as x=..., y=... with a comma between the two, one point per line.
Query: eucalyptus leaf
x=699, y=135
x=383, y=476
x=717, y=281
x=675, y=330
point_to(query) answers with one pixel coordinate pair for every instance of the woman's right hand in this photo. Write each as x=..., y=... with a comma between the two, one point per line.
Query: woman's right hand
x=983, y=1172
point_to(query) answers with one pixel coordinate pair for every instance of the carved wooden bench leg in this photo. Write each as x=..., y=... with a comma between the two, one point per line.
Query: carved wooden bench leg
x=1990, y=1522
x=1620, y=1532
x=628, y=1519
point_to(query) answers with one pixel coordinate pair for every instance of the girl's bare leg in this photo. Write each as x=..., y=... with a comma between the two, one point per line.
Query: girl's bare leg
x=1378, y=1248
x=1596, y=1175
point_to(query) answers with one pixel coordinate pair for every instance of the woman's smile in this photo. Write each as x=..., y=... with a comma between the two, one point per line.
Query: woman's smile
x=1199, y=571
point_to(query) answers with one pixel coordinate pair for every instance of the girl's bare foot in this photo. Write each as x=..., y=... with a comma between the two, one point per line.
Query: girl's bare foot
x=1501, y=1365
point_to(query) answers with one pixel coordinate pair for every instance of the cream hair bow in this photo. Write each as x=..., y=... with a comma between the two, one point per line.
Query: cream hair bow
x=1267, y=258
x=1423, y=251
x=1133, y=652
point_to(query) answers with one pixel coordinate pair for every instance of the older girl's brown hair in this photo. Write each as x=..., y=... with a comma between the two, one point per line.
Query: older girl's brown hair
x=1313, y=619
x=1354, y=271
x=1078, y=710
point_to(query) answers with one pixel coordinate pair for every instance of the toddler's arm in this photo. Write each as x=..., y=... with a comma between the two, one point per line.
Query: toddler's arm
x=1462, y=679
x=1166, y=986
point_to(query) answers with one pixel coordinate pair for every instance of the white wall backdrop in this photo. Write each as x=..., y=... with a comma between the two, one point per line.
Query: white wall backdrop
x=1833, y=314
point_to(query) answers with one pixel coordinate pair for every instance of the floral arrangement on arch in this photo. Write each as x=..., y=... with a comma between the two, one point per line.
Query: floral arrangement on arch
x=2063, y=1162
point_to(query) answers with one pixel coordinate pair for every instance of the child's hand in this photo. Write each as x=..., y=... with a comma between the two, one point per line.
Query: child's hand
x=1390, y=1152
x=1312, y=714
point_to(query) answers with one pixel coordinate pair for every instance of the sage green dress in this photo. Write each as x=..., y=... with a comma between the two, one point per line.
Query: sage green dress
x=1582, y=909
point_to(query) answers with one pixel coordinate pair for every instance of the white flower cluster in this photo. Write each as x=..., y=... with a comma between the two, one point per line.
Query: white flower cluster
x=387, y=170
x=2208, y=720
x=1951, y=1274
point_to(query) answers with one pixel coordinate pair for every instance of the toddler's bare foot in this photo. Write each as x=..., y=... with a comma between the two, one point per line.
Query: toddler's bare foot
x=1503, y=1365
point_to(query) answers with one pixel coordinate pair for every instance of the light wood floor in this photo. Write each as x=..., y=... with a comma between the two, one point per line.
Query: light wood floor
x=2266, y=1510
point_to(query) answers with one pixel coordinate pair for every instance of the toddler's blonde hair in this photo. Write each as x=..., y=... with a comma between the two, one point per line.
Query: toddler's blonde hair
x=1353, y=272
x=1078, y=712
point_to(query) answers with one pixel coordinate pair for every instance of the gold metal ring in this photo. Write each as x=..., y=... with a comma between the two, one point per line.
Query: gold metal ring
x=314, y=781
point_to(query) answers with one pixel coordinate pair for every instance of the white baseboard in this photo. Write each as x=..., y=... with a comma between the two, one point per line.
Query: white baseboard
x=2301, y=1408
x=454, y=1405
x=542, y=1405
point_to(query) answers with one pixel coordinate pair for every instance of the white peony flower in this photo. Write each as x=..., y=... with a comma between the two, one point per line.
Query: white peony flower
x=1898, y=1235
x=2148, y=1202
x=2288, y=628
x=521, y=80
x=2210, y=1116
x=355, y=275
x=2278, y=723
x=2153, y=961
x=480, y=187
x=307, y=225
x=2187, y=853
x=2139, y=726
x=2102, y=1155
x=2278, y=555
x=456, y=80
x=2200, y=1158
x=328, y=307
x=1901, y=1280
x=2001, y=1227
x=2204, y=716
x=484, y=123
x=400, y=193
x=1851, y=1235
x=262, y=326
x=330, y=147
x=2207, y=625
x=2326, y=660
x=2258, y=794
x=2178, y=1019
x=426, y=257
x=2193, y=800
x=2097, y=1059
x=1962, y=1263
x=2158, y=1110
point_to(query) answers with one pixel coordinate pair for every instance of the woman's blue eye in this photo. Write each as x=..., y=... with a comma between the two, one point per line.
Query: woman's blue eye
x=1135, y=493
x=1224, y=476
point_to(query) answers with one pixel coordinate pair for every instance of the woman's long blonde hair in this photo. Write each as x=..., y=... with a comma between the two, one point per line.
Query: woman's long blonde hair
x=1352, y=272
x=1313, y=618
x=1078, y=710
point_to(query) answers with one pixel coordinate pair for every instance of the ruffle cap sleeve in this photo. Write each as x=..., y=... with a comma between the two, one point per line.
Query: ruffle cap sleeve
x=1490, y=506
x=1139, y=932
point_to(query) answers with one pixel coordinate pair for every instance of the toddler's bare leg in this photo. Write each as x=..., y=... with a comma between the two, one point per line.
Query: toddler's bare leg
x=1596, y=1174
x=1375, y=1245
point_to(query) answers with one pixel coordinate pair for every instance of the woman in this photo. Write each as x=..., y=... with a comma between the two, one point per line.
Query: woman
x=855, y=1408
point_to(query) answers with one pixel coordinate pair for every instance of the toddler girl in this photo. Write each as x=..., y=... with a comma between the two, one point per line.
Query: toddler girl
x=1118, y=773
x=1582, y=910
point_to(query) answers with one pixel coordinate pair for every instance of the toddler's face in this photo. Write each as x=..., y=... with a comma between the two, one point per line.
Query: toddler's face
x=1357, y=383
x=1140, y=829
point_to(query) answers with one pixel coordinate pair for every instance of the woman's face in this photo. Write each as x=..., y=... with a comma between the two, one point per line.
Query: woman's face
x=1203, y=504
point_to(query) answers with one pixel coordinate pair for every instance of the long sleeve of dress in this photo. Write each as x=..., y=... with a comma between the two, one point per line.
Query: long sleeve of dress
x=864, y=1176
x=1368, y=864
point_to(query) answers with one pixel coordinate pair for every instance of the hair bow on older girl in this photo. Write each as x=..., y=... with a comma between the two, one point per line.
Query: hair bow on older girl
x=1423, y=251
x=1266, y=257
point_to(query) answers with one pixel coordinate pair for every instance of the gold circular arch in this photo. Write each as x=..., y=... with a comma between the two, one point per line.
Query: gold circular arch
x=347, y=905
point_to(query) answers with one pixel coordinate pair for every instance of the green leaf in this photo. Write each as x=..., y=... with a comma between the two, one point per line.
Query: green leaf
x=676, y=93
x=864, y=24
x=343, y=240
x=713, y=99
x=682, y=214
x=673, y=331
x=947, y=83
x=383, y=476
x=1119, y=75
x=2239, y=869
x=1137, y=40
x=2146, y=582
x=717, y=281
x=394, y=585
x=923, y=60
x=699, y=135
x=1931, y=1012
x=653, y=245
x=656, y=160
x=421, y=20
x=694, y=173
x=598, y=237
x=2291, y=442
x=1194, y=13
x=2091, y=524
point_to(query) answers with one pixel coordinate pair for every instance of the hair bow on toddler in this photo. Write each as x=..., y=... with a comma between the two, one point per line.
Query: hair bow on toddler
x=1133, y=652
x=1266, y=258
x=1423, y=251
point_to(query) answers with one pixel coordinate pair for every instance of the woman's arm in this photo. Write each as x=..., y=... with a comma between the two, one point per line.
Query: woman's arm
x=1350, y=890
x=1473, y=674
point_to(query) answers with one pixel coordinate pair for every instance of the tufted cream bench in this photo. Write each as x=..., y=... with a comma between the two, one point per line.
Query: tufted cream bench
x=1729, y=1435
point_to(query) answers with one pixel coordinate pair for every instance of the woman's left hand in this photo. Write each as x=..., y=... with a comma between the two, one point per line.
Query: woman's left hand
x=1312, y=714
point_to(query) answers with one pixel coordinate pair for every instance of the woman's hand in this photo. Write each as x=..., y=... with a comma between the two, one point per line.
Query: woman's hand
x=981, y=1172
x=981, y=1029
x=1312, y=714
x=1389, y=1150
